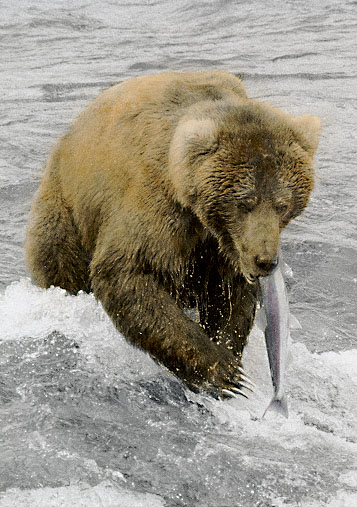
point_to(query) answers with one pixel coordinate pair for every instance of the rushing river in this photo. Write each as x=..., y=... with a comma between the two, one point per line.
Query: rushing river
x=87, y=420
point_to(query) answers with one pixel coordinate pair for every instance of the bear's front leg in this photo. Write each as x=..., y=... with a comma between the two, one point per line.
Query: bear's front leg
x=227, y=310
x=150, y=318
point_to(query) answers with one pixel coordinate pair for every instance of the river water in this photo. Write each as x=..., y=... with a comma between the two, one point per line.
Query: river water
x=85, y=419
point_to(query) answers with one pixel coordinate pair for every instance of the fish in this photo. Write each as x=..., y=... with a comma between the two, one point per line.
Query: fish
x=277, y=335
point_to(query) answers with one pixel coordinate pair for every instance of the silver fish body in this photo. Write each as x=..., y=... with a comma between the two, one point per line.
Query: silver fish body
x=277, y=335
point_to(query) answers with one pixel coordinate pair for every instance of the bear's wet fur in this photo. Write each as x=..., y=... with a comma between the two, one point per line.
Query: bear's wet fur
x=169, y=192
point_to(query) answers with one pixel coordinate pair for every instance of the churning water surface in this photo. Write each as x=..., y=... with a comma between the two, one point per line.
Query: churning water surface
x=87, y=420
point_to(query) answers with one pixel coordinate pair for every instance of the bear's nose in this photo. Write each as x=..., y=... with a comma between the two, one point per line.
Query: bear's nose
x=265, y=264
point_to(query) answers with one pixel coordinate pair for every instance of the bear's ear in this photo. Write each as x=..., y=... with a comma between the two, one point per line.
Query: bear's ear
x=191, y=139
x=310, y=127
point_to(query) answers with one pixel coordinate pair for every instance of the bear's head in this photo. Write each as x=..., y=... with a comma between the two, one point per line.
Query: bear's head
x=245, y=169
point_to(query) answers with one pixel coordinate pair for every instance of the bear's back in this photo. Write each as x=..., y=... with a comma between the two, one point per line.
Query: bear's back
x=134, y=118
x=161, y=94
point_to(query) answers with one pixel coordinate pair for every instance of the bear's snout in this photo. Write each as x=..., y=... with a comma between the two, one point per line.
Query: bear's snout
x=258, y=242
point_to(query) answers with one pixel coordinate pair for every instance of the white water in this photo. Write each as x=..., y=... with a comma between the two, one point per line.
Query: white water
x=87, y=416
x=85, y=419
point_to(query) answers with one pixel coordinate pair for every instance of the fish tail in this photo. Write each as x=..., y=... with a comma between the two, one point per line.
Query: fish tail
x=280, y=406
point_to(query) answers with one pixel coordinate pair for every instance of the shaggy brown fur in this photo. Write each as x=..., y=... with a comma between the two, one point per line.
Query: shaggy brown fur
x=170, y=192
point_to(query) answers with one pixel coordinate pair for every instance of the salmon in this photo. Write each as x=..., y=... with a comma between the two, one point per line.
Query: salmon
x=277, y=335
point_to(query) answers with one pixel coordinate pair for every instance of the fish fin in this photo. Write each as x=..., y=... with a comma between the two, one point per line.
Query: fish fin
x=260, y=319
x=279, y=405
x=293, y=322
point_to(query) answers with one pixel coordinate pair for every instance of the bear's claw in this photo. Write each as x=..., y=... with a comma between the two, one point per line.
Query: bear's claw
x=243, y=373
x=240, y=391
x=232, y=392
x=244, y=384
x=247, y=380
x=228, y=393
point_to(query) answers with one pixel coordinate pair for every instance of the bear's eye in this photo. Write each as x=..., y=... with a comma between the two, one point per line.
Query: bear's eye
x=281, y=208
x=247, y=204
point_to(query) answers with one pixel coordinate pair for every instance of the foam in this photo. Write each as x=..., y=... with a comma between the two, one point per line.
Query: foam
x=104, y=494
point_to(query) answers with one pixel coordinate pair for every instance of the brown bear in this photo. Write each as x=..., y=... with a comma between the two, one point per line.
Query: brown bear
x=168, y=193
